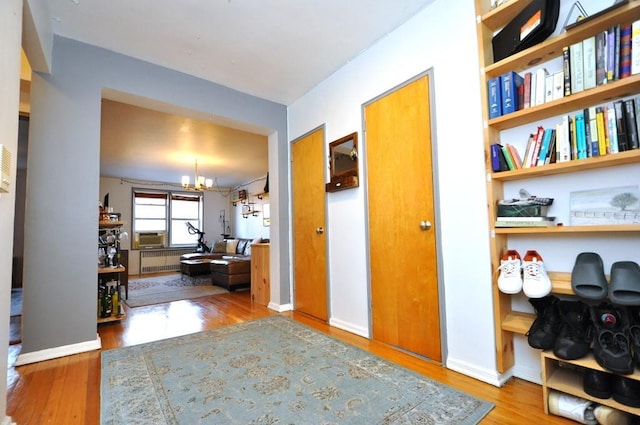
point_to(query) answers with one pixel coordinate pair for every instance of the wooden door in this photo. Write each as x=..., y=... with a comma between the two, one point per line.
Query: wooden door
x=404, y=276
x=309, y=244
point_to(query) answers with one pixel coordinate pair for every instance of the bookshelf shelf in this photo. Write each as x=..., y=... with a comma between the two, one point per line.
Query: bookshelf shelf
x=509, y=322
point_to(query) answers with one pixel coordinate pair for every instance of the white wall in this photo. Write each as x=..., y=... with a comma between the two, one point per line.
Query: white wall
x=251, y=227
x=10, y=36
x=441, y=37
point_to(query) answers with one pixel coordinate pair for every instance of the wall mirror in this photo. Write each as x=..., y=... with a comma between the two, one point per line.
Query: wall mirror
x=343, y=163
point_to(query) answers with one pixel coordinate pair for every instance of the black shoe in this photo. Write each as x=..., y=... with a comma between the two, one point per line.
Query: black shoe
x=597, y=383
x=574, y=339
x=633, y=318
x=611, y=347
x=626, y=391
x=545, y=327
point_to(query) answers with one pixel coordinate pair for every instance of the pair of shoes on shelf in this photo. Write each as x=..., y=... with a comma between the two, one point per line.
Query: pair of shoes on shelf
x=526, y=274
x=588, y=280
x=612, y=346
x=564, y=326
x=605, y=385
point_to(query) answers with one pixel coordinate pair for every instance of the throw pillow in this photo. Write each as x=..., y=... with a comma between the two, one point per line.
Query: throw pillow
x=247, y=249
x=232, y=245
x=220, y=246
x=242, y=243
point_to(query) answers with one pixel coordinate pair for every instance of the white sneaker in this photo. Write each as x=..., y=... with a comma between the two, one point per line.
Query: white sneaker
x=535, y=282
x=510, y=279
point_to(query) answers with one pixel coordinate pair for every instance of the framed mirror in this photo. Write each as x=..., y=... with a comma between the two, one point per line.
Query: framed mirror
x=343, y=163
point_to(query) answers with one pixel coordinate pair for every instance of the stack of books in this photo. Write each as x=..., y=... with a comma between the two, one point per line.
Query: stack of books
x=524, y=213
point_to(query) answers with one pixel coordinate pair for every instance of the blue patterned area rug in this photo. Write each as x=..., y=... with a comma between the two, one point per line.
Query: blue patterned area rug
x=270, y=371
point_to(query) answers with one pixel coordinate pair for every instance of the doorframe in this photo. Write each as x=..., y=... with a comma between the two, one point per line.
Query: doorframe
x=325, y=174
x=436, y=197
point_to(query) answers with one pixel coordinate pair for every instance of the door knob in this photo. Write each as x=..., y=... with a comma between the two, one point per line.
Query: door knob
x=319, y=230
x=425, y=225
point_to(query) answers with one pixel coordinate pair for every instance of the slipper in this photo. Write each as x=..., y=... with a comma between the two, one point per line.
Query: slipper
x=587, y=278
x=625, y=283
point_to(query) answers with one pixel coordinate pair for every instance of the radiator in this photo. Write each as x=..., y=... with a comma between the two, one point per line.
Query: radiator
x=161, y=260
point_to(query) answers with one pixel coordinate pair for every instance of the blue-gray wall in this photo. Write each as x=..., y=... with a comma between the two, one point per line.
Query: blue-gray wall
x=61, y=221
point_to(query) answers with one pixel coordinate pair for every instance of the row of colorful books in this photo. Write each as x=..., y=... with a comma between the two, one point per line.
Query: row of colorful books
x=605, y=57
x=595, y=131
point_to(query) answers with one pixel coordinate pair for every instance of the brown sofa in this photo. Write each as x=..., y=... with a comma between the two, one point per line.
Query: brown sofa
x=232, y=268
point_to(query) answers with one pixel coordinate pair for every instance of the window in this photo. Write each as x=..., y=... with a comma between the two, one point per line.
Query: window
x=162, y=216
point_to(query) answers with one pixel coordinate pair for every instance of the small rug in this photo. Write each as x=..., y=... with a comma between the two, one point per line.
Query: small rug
x=270, y=371
x=164, y=289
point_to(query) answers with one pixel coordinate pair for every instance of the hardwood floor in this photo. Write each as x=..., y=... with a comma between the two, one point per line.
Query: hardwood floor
x=66, y=391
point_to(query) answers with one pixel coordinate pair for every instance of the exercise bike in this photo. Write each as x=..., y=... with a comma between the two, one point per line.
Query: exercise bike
x=202, y=247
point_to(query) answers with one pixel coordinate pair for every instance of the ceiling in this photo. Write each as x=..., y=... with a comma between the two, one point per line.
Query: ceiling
x=273, y=49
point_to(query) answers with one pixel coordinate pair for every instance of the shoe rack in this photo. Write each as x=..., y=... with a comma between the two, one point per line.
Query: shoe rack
x=490, y=20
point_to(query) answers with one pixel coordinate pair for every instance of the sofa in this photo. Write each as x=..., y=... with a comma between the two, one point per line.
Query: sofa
x=229, y=263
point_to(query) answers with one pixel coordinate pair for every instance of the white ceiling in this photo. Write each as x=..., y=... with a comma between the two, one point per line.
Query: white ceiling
x=274, y=49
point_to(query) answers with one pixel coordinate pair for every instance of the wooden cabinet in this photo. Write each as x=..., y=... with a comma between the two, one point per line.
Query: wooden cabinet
x=509, y=322
x=260, y=287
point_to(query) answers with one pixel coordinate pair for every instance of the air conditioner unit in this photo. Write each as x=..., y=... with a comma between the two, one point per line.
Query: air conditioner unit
x=5, y=169
x=150, y=240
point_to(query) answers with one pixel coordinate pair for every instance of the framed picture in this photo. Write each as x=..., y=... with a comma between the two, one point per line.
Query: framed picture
x=611, y=205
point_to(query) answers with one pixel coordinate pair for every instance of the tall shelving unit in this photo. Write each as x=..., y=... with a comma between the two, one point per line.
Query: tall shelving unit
x=507, y=321
x=114, y=227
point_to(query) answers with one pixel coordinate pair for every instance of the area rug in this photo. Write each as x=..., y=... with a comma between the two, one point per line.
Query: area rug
x=164, y=289
x=270, y=371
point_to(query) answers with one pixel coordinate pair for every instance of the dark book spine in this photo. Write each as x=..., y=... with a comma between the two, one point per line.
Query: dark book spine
x=601, y=58
x=566, y=68
x=621, y=126
x=629, y=109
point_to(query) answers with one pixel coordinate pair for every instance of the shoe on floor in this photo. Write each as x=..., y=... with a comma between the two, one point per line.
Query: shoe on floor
x=510, y=279
x=611, y=347
x=535, y=282
x=543, y=332
x=624, y=288
x=587, y=277
x=574, y=339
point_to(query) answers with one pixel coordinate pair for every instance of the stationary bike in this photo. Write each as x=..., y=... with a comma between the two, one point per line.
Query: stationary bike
x=202, y=247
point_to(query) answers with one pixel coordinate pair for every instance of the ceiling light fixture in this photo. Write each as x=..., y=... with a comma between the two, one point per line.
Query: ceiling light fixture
x=200, y=183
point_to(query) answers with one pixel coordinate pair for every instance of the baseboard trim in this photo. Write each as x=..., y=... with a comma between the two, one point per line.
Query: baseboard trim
x=8, y=421
x=485, y=375
x=280, y=307
x=54, y=353
x=345, y=326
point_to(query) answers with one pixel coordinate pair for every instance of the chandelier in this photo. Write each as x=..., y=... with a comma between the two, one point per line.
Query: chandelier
x=200, y=183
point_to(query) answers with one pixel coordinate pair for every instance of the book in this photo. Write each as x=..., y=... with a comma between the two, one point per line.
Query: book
x=637, y=103
x=601, y=58
x=509, y=85
x=563, y=146
x=526, y=101
x=573, y=138
x=528, y=223
x=601, y=130
x=621, y=126
x=611, y=52
x=526, y=158
x=533, y=91
x=544, y=147
x=635, y=47
x=577, y=59
x=629, y=109
x=520, y=97
x=566, y=69
x=517, y=160
x=625, y=51
x=537, y=144
x=558, y=85
x=524, y=218
x=495, y=99
x=581, y=138
x=550, y=158
x=613, y=132
x=541, y=79
x=498, y=162
x=548, y=88
x=589, y=62
x=507, y=156
x=593, y=145
x=616, y=65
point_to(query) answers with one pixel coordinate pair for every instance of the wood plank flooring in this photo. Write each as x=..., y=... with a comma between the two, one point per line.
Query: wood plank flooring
x=66, y=391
